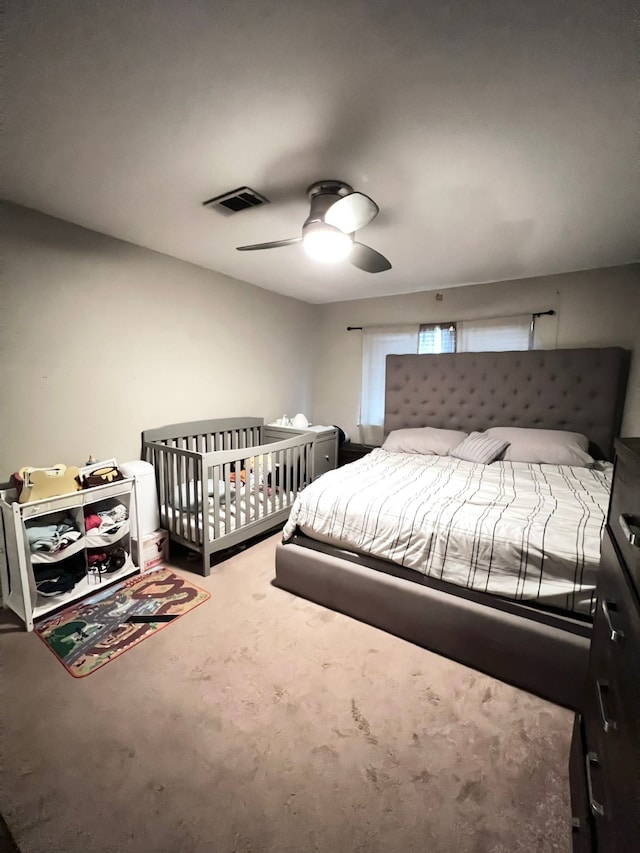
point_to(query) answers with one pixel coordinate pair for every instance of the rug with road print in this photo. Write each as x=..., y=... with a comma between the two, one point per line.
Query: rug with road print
x=98, y=629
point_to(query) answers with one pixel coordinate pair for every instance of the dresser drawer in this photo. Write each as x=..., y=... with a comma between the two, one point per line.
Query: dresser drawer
x=624, y=509
x=581, y=820
x=612, y=708
x=612, y=777
x=613, y=772
x=325, y=453
x=615, y=657
x=325, y=446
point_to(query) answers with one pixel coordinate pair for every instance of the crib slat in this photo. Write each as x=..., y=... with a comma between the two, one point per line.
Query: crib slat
x=215, y=476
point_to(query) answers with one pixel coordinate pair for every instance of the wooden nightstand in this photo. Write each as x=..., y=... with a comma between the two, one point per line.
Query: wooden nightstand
x=349, y=452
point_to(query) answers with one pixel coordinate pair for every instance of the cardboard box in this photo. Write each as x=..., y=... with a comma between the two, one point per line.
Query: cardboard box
x=155, y=550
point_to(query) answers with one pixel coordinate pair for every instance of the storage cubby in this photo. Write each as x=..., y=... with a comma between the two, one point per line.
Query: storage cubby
x=58, y=550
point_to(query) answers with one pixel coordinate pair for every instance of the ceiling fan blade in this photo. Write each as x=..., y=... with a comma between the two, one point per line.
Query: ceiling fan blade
x=351, y=212
x=367, y=259
x=274, y=245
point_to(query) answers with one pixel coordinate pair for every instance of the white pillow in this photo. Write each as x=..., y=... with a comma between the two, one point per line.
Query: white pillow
x=544, y=446
x=426, y=440
x=479, y=447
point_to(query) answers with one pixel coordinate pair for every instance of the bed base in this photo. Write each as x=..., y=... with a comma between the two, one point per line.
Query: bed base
x=545, y=655
x=248, y=484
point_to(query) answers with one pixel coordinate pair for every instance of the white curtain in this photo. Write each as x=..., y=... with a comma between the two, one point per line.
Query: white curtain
x=377, y=344
x=494, y=335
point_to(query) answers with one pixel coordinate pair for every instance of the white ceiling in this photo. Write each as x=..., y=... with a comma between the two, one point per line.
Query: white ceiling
x=499, y=137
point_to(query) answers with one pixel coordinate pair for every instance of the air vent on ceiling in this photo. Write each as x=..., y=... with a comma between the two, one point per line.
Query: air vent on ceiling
x=235, y=201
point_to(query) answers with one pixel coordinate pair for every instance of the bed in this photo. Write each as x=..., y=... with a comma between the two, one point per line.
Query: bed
x=220, y=482
x=528, y=627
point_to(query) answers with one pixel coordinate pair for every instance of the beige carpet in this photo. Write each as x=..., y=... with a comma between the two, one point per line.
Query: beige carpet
x=262, y=722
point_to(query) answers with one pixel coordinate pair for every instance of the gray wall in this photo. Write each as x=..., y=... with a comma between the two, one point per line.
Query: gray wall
x=594, y=308
x=101, y=339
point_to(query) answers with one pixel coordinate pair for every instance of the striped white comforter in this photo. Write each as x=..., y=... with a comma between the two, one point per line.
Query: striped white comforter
x=514, y=529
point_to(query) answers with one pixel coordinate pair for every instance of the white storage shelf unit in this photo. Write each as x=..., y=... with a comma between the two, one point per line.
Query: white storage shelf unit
x=19, y=564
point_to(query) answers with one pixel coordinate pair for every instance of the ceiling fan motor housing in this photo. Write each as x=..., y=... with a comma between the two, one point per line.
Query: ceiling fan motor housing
x=321, y=196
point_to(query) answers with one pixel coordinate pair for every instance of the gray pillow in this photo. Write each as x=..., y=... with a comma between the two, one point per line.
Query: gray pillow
x=544, y=446
x=426, y=440
x=479, y=447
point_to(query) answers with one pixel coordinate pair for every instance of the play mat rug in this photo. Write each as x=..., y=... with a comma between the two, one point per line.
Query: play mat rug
x=98, y=629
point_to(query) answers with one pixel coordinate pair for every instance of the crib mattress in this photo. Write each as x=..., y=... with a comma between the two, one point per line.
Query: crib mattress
x=246, y=507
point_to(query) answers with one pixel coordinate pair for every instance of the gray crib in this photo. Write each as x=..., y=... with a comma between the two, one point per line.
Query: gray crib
x=219, y=482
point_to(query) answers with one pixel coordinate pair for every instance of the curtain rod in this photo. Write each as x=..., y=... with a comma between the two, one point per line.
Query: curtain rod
x=535, y=314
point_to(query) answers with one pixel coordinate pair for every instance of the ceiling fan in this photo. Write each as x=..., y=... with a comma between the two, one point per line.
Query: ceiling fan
x=337, y=212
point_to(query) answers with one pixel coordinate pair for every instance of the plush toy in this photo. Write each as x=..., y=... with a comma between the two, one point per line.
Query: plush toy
x=41, y=483
x=102, y=476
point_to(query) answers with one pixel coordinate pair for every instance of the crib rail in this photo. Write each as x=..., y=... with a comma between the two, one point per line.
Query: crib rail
x=179, y=477
x=218, y=482
x=206, y=436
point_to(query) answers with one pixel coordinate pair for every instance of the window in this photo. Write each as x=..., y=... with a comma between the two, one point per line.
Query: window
x=495, y=334
x=437, y=337
x=377, y=344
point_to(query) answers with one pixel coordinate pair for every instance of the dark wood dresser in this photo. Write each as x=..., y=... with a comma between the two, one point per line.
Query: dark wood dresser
x=605, y=751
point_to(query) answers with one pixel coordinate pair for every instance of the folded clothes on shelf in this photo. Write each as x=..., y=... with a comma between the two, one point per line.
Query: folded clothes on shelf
x=56, y=578
x=53, y=581
x=106, y=520
x=52, y=537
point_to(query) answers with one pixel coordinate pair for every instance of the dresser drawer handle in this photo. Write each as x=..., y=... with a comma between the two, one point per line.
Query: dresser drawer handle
x=596, y=807
x=631, y=529
x=614, y=635
x=607, y=723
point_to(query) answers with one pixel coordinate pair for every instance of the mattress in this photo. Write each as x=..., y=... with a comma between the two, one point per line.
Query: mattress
x=517, y=530
x=244, y=508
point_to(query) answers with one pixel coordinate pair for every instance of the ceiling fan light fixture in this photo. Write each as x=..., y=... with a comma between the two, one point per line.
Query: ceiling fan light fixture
x=336, y=213
x=326, y=244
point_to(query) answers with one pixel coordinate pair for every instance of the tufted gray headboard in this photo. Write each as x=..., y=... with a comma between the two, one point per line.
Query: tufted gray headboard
x=581, y=390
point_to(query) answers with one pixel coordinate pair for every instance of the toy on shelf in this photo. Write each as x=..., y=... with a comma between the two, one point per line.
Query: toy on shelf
x=36, y=484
